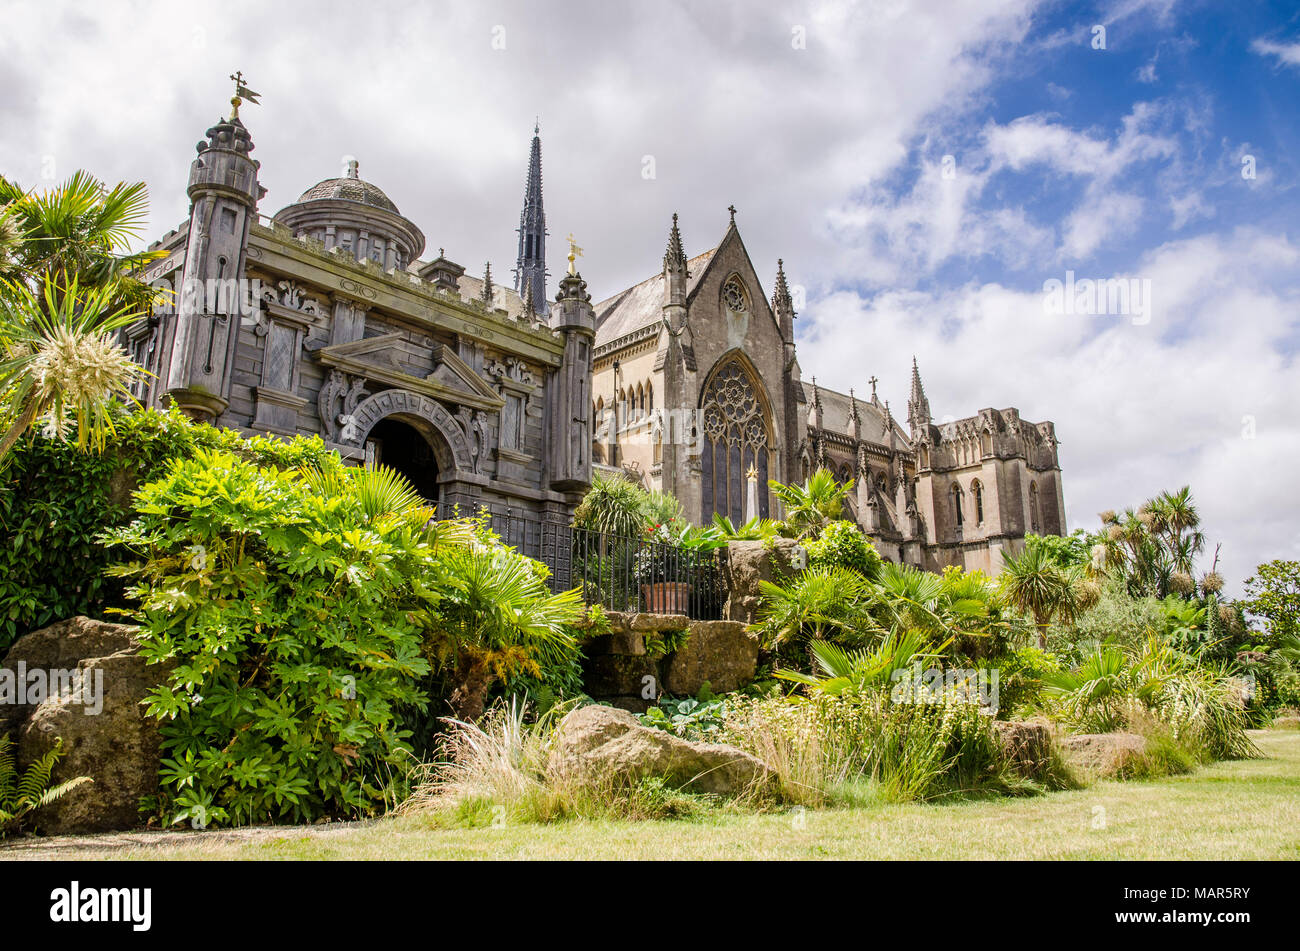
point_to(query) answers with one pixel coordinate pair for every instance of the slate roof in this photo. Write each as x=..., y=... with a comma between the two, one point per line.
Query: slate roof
x=641, y=305
x=835, y=416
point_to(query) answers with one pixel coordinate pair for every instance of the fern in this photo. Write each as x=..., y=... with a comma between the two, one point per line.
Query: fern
x=19, y=795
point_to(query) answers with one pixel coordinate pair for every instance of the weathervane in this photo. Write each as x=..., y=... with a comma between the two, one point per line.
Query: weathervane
x=574, y=253
x=242, y=94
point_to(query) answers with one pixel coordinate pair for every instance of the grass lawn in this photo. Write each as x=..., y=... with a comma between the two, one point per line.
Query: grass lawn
x=1237, y=810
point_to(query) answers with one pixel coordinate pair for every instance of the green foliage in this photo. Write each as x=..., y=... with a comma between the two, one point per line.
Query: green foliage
x=289, y=617
x=755, y=530
x=1021, y=676
x=662, y=643
x=846, y=670
x=690, y=718
x=1201, y=706
x=1034, y=583
x=20, y=795
x=55, y=502
x=810, y=507
x=843, y=545
x=1072, y=551
x=1273, y=594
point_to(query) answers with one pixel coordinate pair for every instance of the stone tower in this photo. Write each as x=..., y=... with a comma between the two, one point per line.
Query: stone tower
x=530, y=265
x=224, y=192
x=569, y=423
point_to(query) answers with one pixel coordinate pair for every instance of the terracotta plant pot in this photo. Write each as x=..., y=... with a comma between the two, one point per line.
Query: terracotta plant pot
x=667, y=597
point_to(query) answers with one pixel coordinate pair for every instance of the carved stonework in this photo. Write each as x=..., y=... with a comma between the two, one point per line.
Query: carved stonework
x=511, y=369
x=337, y=404
x=291, y=295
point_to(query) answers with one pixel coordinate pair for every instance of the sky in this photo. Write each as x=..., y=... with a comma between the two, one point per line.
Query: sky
x=935, y=175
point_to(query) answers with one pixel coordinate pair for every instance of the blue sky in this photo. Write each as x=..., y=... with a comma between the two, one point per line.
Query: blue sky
x=827, y=123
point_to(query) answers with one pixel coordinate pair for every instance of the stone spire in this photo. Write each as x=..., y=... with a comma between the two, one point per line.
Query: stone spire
x=855, y=420
x=783, y=304
x=918, y=407
x=674, y=256
x=530, y=266
x=486, y=294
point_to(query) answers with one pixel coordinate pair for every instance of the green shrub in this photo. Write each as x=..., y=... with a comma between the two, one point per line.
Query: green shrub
x=288, y=613
x=55, y=500
x=843, y=545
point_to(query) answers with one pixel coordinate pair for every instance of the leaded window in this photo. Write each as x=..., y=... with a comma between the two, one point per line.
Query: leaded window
x=735, y=438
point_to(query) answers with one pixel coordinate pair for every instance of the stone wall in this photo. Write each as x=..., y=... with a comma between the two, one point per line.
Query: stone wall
x=622, y=671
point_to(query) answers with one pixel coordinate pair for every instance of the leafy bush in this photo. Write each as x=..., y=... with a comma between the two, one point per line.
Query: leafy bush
x=843, y=545
x=55, y=501
x=289, y=614
x=689, y=717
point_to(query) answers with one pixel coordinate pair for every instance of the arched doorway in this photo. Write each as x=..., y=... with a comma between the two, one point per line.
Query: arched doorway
x=401, y=446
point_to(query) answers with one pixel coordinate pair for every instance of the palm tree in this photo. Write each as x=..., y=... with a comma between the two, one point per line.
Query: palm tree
x=812, y=506
x=60, y=362
x=66, y=288
x=1035, y=585
x=819, y=603
x=844, y=669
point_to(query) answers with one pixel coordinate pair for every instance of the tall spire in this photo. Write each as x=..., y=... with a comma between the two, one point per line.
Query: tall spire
x=530, y=266
x=918, y=407
x=488, y=290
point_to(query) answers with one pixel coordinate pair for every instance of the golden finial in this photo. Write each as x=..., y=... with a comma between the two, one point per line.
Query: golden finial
x=574, y=252
x=242, y=94
x=752, y=474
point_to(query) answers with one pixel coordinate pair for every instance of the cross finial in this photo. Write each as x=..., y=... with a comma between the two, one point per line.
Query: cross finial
x=242, y=94
x=873, y=381
x=732, y=209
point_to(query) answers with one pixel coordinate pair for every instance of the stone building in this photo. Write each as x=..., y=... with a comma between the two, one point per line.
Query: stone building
x=325, y=319
x=697, y=381
x=328, y=319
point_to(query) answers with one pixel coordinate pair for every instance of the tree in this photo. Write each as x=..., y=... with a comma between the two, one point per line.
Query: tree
x=1034, y=584
x=1273, y=594
x=66, y=287
x=812, y=506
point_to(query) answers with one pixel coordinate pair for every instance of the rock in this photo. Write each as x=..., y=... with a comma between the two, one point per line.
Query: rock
x=746, y=565
x=1286, y=723
x=1027, y=744
x=659, y=623
x=1108, y=753
x=60, y=646
x=601, y=742
x=719, y=653
x=105, y=731
x=615, y=675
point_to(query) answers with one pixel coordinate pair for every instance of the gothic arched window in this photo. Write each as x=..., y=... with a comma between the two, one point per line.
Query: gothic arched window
x=977, y=490
x=1034, y=520
x=735, y=438
x=957, y=513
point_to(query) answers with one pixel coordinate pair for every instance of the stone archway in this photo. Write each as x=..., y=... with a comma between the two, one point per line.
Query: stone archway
x=453, y=450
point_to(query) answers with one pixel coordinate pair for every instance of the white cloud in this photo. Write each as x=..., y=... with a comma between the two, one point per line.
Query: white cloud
x=1288, y=54
x=1138, y=408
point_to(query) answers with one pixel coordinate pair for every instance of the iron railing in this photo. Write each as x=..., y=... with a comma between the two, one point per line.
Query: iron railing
x=619, y=573
x=641, y=575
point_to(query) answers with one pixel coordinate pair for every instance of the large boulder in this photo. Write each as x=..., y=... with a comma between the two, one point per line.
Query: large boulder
x=58, y=647
x=746, y=565
x=719, y=653
x=1105, y=753
x=604, y=743
x=1027, y=744
x=1286, y=723
x=99, y=717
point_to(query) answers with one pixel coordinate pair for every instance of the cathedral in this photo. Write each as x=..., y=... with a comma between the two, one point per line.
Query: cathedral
x=330, y=318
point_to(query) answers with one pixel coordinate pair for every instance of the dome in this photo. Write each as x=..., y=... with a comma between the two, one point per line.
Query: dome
x=356, y=218
x=350, y=188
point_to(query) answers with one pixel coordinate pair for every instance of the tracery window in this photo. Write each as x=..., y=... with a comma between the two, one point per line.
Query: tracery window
x=733, y=295
x=958, y=515
x=735, y=438
x=977, y=490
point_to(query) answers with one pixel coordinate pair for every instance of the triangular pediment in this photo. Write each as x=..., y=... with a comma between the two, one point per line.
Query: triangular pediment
x=375, y=358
